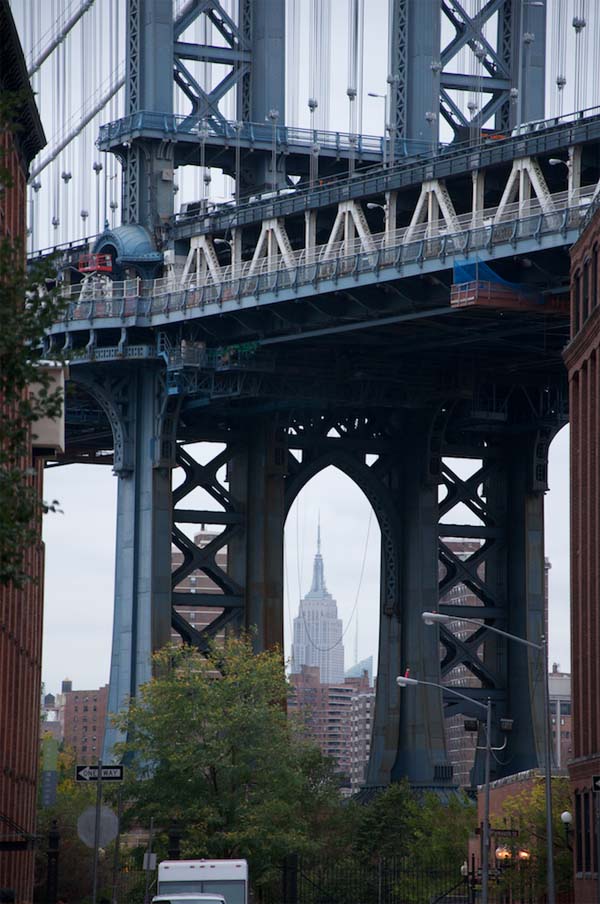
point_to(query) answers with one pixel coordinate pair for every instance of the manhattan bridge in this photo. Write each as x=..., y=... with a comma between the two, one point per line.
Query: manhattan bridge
x=388, y=304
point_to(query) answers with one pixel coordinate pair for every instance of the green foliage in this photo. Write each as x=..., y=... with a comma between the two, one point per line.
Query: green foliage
x=209, y=746
x=526, y=811
x=75, y=858
x=26, y=312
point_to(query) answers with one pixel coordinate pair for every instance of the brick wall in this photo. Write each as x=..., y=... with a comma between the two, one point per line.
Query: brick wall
x=583, y=365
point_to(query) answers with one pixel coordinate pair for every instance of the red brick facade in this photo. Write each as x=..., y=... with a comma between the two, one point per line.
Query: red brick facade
x=84, y=719
x=20, y=676
x=20, y=610
x=583, y=364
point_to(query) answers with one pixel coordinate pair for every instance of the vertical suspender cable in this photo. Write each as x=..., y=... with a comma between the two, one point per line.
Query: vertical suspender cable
x=360, y=63
x=292, y=59
x=596, y=50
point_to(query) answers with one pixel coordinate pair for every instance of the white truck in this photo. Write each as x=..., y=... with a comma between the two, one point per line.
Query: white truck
x=202, y=882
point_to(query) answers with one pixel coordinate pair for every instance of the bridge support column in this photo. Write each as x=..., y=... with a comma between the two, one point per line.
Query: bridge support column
x=516, y=575
x=256, y=477
x=143, y=461
x=498, y=558
x=408, y=733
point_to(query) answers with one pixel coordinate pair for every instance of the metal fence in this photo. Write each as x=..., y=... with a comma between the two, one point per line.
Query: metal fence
x=401, y=880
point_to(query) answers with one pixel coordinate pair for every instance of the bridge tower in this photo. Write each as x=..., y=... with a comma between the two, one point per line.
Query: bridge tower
x=270, y=455
x=424, y=68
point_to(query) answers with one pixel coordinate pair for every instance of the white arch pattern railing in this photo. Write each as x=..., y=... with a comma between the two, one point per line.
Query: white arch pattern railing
x=145, y=298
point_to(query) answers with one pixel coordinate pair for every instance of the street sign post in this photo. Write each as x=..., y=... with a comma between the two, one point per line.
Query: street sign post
x=85, y=773
x=98, y=774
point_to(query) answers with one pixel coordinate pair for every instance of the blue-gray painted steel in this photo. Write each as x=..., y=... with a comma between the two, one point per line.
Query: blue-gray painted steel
x=424, y=75
x=142, y=610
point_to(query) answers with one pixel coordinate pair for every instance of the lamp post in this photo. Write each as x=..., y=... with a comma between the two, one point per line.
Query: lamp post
x=382, y=97
x=433, y=618
x=273, y=117
x=567, y=818
x=405, y=681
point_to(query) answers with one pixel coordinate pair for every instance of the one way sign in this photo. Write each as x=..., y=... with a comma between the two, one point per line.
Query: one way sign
x=86, y=773
x=596, y=783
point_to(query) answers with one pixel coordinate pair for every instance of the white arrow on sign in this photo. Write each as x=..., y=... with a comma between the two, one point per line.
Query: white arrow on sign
x=89, y=773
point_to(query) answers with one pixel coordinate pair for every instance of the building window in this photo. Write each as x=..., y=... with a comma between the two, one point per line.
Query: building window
x=585, y=291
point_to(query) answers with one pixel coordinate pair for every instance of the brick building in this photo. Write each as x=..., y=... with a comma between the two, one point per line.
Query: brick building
x=559, y=687
x=84, y=717
x=20, y=610
x=362, y=708
x=330, y=714
x=198, y=582
x=582, y=357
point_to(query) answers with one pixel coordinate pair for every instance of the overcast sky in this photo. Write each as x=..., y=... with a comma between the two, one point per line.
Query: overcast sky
x=80, y=542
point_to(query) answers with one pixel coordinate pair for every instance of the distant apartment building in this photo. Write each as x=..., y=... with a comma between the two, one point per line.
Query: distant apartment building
x=362, y=708
x=198, y=582
x=560, y=716
x=318, y=632
x=84, y=720
x=334, y=716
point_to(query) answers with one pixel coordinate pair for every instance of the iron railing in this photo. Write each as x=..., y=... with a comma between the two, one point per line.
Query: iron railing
x=146, y=299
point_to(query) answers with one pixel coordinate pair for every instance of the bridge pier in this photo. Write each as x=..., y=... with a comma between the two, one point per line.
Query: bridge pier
x=142, y=424
x=256, y=554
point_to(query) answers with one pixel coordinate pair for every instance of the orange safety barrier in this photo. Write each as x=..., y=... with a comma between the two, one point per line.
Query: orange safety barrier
x=95, y=263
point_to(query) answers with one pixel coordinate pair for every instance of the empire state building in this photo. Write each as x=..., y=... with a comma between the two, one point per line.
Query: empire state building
x=318, y=630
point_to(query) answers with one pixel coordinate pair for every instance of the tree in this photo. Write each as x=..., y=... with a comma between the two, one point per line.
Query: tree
x=27, y=310
x=210, y=747
x=526, y=812
x=75, y=858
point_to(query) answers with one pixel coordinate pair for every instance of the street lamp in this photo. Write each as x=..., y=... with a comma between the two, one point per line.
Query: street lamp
x=567, y=818
x=433, y=618
x=273, y=117
x=382, y=97
x=405, y=681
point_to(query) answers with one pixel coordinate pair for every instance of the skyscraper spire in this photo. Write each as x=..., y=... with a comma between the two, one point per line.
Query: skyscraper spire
x=318, y=587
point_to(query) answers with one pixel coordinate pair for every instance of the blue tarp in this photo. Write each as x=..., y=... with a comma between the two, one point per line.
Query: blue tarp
x=479, y=271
